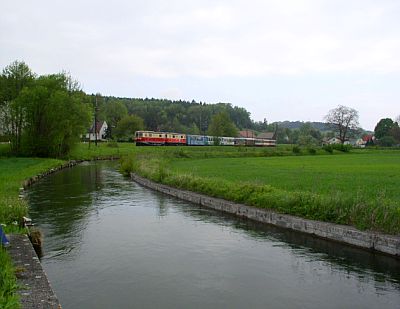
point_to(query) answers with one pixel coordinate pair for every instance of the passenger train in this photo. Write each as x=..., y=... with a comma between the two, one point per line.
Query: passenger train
x=151, y=138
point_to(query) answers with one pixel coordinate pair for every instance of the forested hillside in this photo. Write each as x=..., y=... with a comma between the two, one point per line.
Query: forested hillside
x=321, y=126
x=167, y=115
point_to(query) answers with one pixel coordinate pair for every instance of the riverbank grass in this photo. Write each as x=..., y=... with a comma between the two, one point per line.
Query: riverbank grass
x=8, y=283
x=13, y=171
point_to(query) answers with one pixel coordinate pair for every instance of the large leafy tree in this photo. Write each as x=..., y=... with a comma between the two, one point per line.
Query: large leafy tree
x=222, y=125
x=14, y=78
x=343, y=120
x=113, y=111
x=127, y=127
x=55, y=114
x=383, y=127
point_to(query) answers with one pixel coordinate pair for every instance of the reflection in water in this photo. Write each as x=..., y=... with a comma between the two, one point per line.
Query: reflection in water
x=110, y=243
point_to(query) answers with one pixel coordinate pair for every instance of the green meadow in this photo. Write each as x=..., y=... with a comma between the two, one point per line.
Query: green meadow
x=360, y=188
x=371, y=175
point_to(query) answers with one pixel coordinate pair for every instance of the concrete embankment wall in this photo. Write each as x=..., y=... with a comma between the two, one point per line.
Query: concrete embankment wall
x=387, y=244
x=34, y=287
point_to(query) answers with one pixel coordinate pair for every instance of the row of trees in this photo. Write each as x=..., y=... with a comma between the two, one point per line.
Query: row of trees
x=41, y=115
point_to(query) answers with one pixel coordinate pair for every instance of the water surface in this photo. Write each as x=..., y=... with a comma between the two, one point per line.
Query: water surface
x=110, y=243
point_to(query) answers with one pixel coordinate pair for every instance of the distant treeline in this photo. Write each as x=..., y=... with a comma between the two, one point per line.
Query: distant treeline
x=179, y=116
x=195, y=118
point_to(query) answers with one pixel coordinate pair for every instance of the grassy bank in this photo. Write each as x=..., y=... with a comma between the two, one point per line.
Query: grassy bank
x=8, y=282
x=359, y=189
x=13, y=171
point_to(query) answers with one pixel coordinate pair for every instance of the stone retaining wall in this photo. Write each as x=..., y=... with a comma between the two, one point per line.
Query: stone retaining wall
x=34, y=287
x=387, y=244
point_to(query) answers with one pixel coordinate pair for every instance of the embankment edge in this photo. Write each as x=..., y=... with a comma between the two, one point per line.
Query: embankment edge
x=374, y=241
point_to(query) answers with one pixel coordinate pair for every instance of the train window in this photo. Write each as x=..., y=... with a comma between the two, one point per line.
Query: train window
x=160, y=135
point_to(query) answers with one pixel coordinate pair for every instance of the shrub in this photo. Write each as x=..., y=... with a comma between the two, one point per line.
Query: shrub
x=296, y=150
x=342, y=147
x=328, y=148
x=312, y=151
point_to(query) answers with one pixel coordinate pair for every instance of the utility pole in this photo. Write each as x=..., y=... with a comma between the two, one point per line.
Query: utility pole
x=95, y=120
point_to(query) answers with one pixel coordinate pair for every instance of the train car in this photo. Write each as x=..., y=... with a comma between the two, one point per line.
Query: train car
x=244, y=141
x=210, y=140
x=227, y=141
x=175, y=139
x=240, y=141
x=196, y=140
x=149, y=138
x=262, y=142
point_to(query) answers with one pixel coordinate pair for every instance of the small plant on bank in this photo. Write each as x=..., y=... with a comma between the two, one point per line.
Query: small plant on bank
x=8, y=283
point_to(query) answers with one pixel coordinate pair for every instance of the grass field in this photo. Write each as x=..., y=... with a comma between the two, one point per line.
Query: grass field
x=358, y=188
x=373, y=175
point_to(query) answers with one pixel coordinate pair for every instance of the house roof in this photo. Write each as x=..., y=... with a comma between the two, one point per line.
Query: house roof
x=266, y=135
x=246, y=133
x=99, y=125
x=367, y=137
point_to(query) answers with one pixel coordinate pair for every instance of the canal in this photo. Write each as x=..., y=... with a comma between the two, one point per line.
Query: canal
x=110, y=243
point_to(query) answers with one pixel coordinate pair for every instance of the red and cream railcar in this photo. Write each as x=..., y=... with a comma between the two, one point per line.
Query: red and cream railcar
x=175, y=139
x=144, y=138
x=151, y=138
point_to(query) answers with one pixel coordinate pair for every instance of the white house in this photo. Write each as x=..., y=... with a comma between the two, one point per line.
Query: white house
x=334, y=140
x=101, y=128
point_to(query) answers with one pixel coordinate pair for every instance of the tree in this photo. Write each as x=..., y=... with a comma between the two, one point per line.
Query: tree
x=55, y=113
x=13, y=79
x=387, y=141
x=127, y=127
x=222, y=125
x=343, y=120
x=395, y=133
x=113, y=111
x=383, y=127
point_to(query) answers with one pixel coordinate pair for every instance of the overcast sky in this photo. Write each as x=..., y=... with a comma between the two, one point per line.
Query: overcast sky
x=281, y=60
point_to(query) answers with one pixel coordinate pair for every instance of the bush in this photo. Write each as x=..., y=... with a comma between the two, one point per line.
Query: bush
x=342, y=147
x=296, y=150
x=387, y=141
x=328, y=148
x=312, y=151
